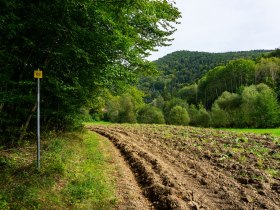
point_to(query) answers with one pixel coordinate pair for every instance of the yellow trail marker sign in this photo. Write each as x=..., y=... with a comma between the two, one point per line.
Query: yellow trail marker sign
x=38, y=74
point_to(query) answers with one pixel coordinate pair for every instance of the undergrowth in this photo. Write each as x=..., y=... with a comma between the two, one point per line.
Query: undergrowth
x=74, y=175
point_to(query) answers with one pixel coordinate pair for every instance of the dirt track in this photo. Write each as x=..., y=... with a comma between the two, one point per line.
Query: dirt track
x=175, y=172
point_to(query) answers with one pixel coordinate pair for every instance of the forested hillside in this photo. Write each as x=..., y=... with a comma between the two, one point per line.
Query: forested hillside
x=242, y=92
x=185, y=67
x=190, y=66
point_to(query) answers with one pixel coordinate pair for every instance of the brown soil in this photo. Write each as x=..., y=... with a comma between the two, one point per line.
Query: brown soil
x=191, y=168
x=130, y=195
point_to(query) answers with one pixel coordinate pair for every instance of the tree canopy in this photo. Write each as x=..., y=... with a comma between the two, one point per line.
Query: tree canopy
x=81, y=46
x=181, y=68
x=242, y=93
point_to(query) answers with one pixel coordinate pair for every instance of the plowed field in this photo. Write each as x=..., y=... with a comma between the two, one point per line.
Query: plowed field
x=180, y=167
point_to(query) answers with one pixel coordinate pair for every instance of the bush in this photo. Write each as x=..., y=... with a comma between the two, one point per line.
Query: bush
x=199, y=117
x=228, y=101
x=169, y=105
x=123, y=108
x=150, y=115
x=260, y=106
x=113, y=109
x=189, y=93
x=193, y=113
x=219, y=117
x=226, y=110
x=127, y=113
x=179, y=116
x=257, y=106
x=203, y=118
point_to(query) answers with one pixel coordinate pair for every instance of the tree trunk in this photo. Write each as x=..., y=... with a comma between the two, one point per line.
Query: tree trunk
x=26, y=124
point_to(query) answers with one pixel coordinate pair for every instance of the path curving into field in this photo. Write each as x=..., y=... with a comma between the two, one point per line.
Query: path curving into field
x=173, y=175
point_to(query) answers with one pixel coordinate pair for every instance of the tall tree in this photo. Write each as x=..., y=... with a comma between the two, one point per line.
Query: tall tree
x=82, y=47
x=231, y=77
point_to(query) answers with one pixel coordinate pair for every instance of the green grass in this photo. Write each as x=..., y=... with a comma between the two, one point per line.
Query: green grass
x=74, y=175
x=96, y=123
x=272, y=131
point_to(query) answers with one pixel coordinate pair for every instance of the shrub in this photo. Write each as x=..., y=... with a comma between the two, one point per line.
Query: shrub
x=203, y=118
x=113, y=109
x=257, y=106
x=199, y=117
x=193, y=113
x=260, y=106
x=179, y=116
x=219, y=117
x=226, y=110
x=127, y=111
x=150, y=115
x=169, y=105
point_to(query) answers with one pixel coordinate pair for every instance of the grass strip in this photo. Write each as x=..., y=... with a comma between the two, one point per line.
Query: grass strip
x=74, y=175
x=272, y=131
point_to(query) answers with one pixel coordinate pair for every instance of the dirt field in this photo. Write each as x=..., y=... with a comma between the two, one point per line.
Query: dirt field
x=191, y=168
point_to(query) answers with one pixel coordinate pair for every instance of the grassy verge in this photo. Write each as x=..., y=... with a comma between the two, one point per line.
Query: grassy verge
x=96, y=123
x=272, y=131
x=74, y=175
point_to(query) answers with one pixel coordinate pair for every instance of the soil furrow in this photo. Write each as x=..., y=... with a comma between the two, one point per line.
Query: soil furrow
x=191, y=187
x=175, y=175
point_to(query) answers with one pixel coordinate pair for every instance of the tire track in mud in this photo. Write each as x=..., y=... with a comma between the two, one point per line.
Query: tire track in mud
x=160, y=195
x=173, y=180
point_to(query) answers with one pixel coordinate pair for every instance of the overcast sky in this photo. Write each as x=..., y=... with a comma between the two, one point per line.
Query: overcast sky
x=225, y=25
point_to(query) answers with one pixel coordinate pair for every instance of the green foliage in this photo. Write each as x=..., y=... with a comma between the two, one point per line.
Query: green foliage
x=260, y=107
x=189, y=66
x=264, y=131
x=150, y=115
x=158, y=102
x=275, y=53
x=203, y=118
x=168, y=105
x=219, y=117
x=127, y=112
x=189, y=93
x=232, y=88
x=229, y=101
x=233, y=91
x=113, y=109
x=179, y=116
x=58, y=181
x=225, y=78
x=193, y=113
x=82, y=47
x=96, y=108
x=268, y=71
x=257, y=106
x=229, y=106
x=123, y=109
x=182, y=68
x=200, y=116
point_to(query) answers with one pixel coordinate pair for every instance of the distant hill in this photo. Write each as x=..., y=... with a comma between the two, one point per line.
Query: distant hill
x=181, y=68
x=189, y=66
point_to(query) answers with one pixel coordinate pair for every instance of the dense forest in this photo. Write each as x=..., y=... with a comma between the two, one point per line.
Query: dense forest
x=84, y=49
x=182, y=68
x=242, y=92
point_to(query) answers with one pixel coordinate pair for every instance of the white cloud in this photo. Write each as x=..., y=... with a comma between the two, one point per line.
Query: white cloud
x=225, y=25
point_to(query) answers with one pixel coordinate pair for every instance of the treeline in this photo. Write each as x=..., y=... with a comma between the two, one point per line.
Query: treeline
x=242, y=93
x=182, y=68
x=82, y=47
